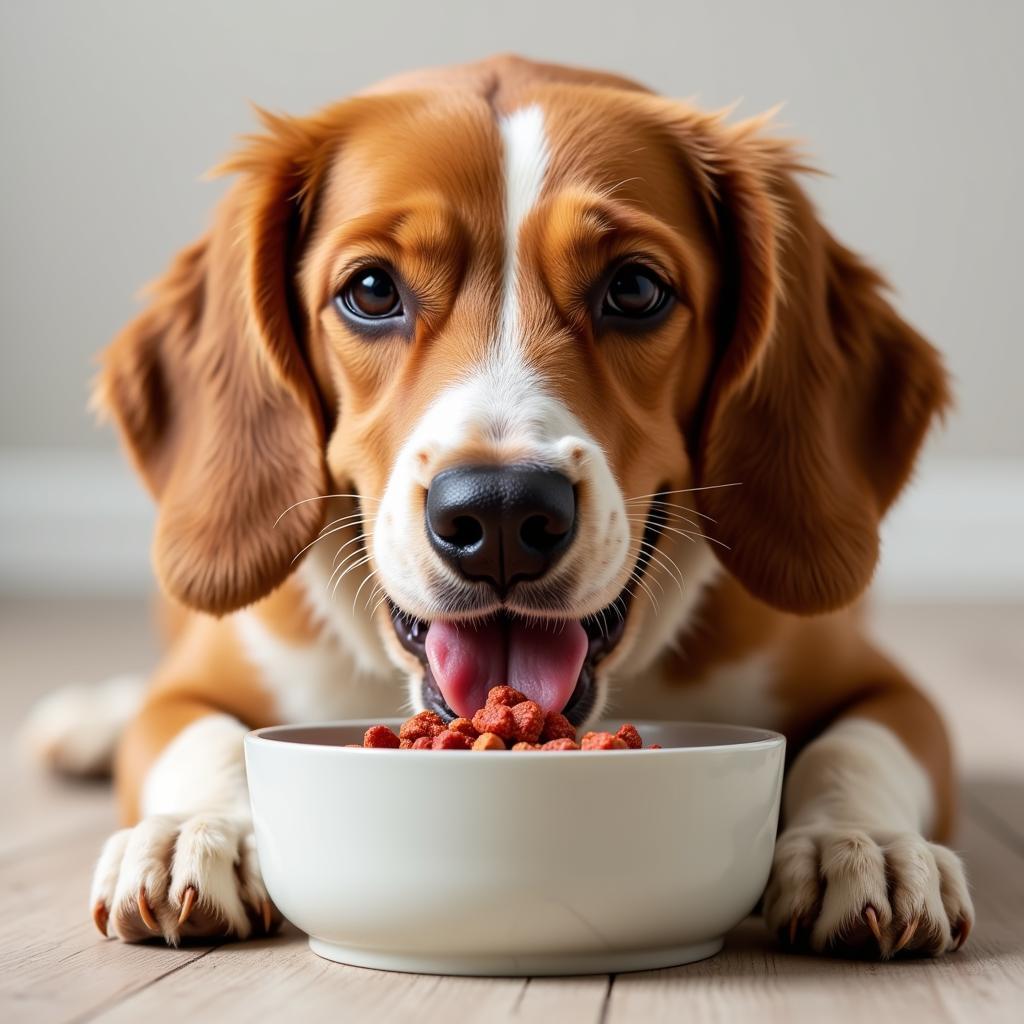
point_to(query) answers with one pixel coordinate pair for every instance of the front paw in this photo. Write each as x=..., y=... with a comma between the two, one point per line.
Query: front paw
x=844, y=889
x=176, y=877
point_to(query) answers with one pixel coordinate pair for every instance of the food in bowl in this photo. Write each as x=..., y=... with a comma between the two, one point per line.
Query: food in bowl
x=598, y=862
x=508, y=716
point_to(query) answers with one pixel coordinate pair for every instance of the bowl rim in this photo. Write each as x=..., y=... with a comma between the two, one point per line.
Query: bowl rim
x=757, y=739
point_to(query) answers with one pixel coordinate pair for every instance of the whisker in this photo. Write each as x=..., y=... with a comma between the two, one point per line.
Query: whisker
x=638, y=572
x=341, y=565
x=659, y=558
x=351, y=540
x=369, y=576
x=323, y=497
x=343, y=519
x=378, y=588
x=637, y=578
x=354, y=565
x=685, y=490
x=673, y=529
x=316, y=540
x=699, y=536
x=692, y=536
x=650, y=594
x=346, y=559
x=665, y=506
x=639, y=517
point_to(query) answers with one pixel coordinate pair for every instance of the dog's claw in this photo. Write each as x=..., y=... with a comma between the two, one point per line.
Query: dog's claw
x=794, y=928
x=870, y=916
x=145, y=913
x=100, y=916
x=907, y=935
x=963, y=929
x=187, y=902
x=267, y=914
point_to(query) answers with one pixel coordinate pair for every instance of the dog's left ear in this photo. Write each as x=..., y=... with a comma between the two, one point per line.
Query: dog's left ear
x=210, y=386
x=820, y=397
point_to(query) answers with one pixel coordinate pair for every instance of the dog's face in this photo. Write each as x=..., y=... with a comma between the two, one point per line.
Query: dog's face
x=517, y=323
x=510, y=322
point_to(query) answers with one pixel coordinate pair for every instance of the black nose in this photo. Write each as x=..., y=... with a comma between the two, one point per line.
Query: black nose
x=500, y=524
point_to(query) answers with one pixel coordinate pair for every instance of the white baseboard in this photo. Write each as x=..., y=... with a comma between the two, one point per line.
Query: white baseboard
x=955, y=534
x=73, y=523
x=79, y=523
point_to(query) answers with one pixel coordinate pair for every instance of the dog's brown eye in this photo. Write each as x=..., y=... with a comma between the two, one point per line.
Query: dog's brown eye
x=370, y=294
x=635, y=293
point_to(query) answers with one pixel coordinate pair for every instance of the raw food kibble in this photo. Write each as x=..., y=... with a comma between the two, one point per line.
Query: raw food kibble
x=380, y=736
x=509, y=720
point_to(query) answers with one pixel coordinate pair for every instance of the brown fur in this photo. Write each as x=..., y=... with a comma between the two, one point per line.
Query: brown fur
x=783, y=368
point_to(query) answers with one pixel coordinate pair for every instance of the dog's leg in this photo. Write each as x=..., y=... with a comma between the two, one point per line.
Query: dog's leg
x=853, y=868
x=188, y=867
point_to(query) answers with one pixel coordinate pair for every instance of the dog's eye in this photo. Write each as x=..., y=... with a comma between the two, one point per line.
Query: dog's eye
x=635, y=293
x=370, y=294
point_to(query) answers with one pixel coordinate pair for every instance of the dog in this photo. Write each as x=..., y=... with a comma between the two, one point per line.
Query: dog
x=517, y=373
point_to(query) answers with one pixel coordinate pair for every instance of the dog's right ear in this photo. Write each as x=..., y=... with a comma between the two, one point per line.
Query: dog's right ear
x=212, y=394
x=821, y=395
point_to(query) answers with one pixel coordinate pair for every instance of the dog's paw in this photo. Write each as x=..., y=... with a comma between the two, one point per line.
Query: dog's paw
x=74, y=730
x=180, y=878
x=842, y=889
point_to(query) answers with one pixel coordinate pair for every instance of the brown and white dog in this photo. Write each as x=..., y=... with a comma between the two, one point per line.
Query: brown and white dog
x=516, y=373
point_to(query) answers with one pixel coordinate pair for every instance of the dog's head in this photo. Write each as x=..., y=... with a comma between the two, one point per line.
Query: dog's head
x=559, y=336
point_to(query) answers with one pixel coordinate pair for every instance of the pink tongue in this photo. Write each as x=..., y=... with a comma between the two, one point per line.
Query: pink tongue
x=543, y=662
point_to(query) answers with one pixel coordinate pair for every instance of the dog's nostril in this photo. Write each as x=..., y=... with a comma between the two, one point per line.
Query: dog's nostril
x=466, y=531
x=538, y=532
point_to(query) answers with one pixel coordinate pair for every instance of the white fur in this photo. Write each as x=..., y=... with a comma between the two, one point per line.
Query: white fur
x=201, y=769
x=323, y=679
x=741, y=692
x=75, y=729
x=859, y=772
x=339, y=605
x=526, y=161
x=856, y=805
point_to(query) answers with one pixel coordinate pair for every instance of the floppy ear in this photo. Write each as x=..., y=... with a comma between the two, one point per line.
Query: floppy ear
x=212, y=396
x=820, y=397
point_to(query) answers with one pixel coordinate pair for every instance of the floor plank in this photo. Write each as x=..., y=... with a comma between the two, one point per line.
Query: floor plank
x=274, y=978
x=54, y=966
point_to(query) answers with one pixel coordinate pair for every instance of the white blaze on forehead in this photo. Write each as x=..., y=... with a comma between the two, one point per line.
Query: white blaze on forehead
x=526, y=161
x=502, y=397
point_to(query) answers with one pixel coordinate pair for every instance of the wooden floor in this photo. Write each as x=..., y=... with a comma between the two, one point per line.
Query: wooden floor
x=55, y=967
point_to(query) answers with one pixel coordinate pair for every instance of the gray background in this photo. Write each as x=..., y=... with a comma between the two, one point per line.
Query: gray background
x=111, y=111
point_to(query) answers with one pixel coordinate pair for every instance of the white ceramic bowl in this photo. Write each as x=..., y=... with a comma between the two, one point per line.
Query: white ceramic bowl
x=460, y=862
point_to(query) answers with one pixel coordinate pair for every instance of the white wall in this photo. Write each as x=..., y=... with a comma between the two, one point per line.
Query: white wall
x=110, y=110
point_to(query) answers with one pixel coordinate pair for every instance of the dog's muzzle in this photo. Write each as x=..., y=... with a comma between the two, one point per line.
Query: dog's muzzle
x=554, y=661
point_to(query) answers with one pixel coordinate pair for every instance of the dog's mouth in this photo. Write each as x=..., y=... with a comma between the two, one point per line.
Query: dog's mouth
x=552, y=661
